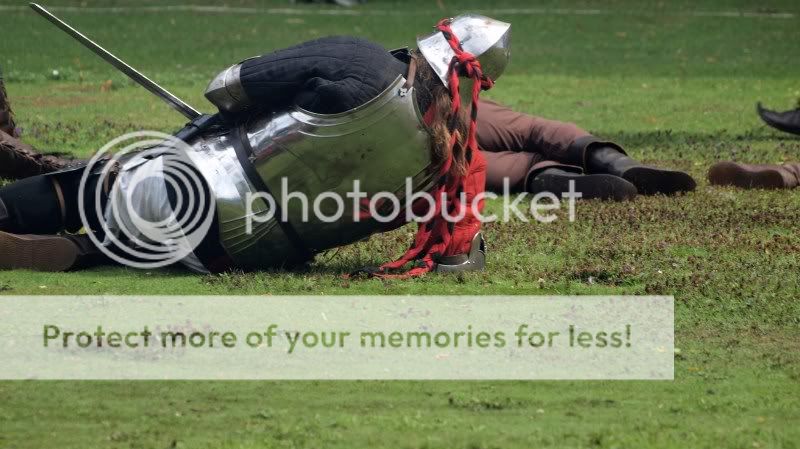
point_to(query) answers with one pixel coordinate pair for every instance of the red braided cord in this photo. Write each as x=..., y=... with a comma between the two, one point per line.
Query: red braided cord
x=434, y=236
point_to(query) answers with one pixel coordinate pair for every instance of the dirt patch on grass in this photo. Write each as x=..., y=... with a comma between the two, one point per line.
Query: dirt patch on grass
x=58, y=101
x=83, y=88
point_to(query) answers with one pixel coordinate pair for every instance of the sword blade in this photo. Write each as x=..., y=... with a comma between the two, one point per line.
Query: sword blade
x=178, y=104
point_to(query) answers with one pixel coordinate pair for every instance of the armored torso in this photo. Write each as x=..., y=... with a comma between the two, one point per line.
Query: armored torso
x=378, y=144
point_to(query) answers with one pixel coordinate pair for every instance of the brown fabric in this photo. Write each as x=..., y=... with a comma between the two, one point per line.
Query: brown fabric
x=6, y=114
x=62, y=204
x=7, y=124
x=19, y=160
x=518, y=145
x=794, y=169
x=748, y=176
x=503, y=129
x=411, y=74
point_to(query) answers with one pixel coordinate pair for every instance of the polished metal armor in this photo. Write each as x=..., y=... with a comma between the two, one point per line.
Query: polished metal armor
x=378, y=144
x=486, y=38
x=226, y=91
x=381, y=144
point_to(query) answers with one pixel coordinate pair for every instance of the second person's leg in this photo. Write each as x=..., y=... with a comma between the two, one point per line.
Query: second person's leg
x=522, y=172
x=532, y=153
x=502, y=129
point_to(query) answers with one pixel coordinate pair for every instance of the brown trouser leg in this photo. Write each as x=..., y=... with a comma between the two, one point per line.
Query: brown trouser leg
x=502, y=129
x=517, y=146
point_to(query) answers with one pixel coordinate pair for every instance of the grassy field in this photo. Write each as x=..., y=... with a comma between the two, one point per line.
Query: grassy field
x=673, y=82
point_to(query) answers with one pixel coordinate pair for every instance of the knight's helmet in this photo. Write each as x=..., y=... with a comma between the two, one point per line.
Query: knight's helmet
x=486, y=38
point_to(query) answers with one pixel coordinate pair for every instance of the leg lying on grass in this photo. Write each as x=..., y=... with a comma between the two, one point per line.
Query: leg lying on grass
x=755, y=176
x=35, y=215
x=525, y=149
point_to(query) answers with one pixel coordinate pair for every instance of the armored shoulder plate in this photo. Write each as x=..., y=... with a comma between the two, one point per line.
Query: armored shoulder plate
x=226, y=91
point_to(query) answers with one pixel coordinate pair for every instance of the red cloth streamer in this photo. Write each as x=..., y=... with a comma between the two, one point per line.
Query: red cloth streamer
x=438, y=236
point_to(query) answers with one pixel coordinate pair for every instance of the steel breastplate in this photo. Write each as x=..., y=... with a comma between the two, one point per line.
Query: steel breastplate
x=379, y=144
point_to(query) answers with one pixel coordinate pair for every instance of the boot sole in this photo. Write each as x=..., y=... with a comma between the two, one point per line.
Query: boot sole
x=651, y=180
x=39, y=253
x=602, y=186
x=733, y=174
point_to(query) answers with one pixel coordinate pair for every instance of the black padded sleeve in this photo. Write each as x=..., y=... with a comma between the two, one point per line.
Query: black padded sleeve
x=327, y=76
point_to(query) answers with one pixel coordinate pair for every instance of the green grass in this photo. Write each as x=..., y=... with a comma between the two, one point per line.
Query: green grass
x=675, y=88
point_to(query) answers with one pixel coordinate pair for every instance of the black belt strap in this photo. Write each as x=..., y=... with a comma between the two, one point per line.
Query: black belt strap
x=244, y=152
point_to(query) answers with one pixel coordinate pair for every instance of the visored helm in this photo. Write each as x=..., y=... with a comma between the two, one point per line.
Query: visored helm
x=486, y=38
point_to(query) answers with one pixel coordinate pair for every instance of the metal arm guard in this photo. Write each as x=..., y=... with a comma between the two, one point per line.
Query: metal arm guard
x=226, y=91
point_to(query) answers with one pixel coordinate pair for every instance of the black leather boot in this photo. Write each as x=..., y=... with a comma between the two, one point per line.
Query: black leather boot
x=648, y=180
x=599, y=186
x=788, y=121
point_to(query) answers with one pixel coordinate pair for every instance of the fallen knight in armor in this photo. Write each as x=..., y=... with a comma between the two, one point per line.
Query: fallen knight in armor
x=337, y=77
x=322, y=113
